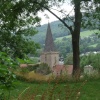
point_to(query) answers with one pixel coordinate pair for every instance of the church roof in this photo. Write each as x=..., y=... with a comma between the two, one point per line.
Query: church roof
x=49, y=43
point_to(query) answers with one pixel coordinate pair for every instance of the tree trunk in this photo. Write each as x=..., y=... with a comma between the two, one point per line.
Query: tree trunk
x=76, y=53
x=75, y=39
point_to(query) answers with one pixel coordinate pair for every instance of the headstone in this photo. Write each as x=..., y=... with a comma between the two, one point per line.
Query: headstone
x=88, y=69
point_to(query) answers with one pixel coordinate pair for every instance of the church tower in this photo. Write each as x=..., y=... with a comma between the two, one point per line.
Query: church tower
x=49, y=55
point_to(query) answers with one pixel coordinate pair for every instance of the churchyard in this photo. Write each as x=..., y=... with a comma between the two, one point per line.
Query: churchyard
x=31, y=85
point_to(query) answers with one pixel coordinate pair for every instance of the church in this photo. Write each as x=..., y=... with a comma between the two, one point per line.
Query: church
x=51, y=57
x=49, y=54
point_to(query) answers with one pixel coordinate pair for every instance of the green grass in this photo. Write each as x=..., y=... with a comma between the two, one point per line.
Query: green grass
x=94, y=45
x=60, y=38
x=88, y=33
x=82, y=34
x=63, y=91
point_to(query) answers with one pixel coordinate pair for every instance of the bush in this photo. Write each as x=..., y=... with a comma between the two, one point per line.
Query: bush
x=43, y=69
x=6, y=76
x=24, y=70
x=32, y=67
x=69, y=59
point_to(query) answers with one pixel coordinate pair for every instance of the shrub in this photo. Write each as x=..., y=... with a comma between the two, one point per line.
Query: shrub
x=69, y=59
x=6, y=76
x=43, y=69
x=32, y=67
x=24, y=70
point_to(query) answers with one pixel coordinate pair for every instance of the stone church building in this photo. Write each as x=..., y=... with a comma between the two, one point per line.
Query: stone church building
x=49, y=54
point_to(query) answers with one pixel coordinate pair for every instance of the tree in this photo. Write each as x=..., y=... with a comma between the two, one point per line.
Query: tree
x=91, y=15
x=16, y=28
x=69, y=59
x=16, y=23
x=91, y=59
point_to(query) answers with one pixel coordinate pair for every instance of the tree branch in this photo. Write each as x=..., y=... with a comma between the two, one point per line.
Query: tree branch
x=65, y=14
x=70, y=28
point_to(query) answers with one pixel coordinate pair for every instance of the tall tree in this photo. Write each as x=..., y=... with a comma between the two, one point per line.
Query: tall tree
x=76, y=37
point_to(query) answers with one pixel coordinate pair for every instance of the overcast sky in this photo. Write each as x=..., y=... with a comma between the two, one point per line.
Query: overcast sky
x=66, y=6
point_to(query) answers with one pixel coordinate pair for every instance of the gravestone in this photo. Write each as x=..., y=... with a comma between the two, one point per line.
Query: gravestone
x=88, y=69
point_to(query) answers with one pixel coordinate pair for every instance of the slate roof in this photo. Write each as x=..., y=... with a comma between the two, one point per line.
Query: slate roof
x=49, y=43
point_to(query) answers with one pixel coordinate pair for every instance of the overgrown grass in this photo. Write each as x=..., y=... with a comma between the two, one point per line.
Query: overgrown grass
x=34, y=86
x=72, y=90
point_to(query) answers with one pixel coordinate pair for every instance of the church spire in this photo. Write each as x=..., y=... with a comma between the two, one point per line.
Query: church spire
x=49, y=43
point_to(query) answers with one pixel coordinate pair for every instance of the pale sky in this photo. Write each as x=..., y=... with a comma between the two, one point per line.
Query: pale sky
x=67, y=7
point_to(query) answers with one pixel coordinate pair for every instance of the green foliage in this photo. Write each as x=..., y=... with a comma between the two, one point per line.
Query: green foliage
x=88, y=42
x=43, y=69
x=6, y=75
x=91, y=15
x=16, y=24
x=91, y=59
x=23, y=71
x=69, y=59
x=26, y=60
x=33, y=67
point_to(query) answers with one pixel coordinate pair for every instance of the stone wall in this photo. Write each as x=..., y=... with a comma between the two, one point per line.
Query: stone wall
x=51, y=58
